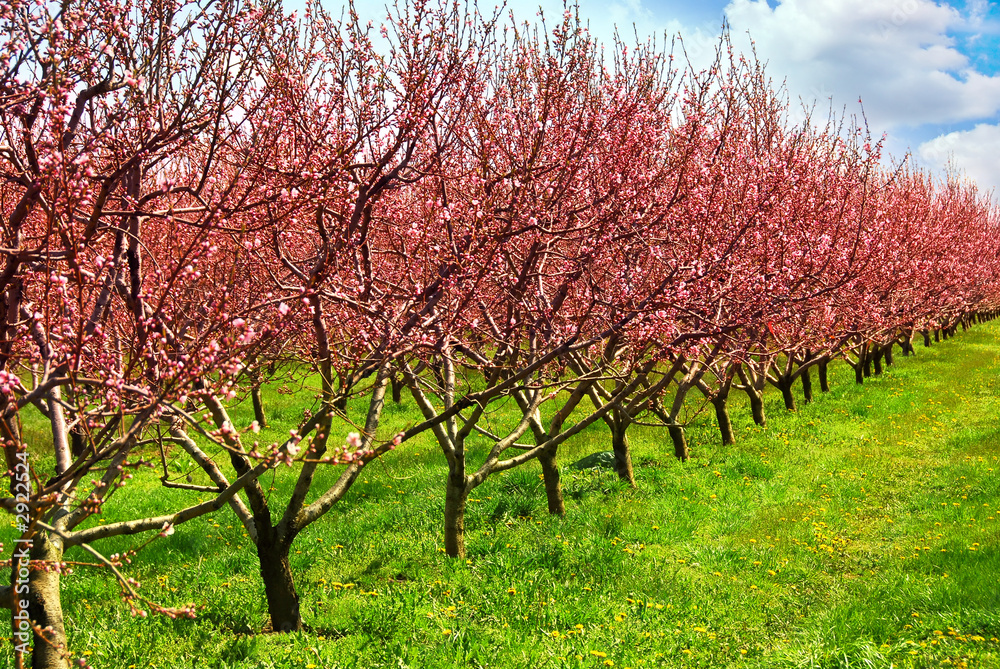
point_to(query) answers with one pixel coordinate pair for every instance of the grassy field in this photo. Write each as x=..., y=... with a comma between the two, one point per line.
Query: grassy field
x=861, y=531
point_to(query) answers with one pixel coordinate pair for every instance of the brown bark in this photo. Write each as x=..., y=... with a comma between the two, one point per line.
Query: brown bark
x=877, y=362
x=721, y=402
x=824, y=384
x=927, y=337
x=785, y=386
x=807, y=386
x=258, y=405
x=680, y=442
x=859, y=373
x=757, y=409
x=77, y=441
x=553, y=489
x=623, y=455
x=279, y=587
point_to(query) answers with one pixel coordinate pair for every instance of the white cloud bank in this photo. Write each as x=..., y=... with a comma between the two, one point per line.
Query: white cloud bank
x=975, y=151
x=898, y=57
x=894, y=54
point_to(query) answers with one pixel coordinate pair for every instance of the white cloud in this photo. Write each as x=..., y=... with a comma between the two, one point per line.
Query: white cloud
x=894, y=54
x=974, y=151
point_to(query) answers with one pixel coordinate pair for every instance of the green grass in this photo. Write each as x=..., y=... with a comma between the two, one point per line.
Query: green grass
x=861, y=531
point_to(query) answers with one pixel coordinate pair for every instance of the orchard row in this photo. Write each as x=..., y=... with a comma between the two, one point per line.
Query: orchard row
x=201, y=199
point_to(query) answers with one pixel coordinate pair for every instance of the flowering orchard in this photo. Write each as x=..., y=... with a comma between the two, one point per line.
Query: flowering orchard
x=198, y=200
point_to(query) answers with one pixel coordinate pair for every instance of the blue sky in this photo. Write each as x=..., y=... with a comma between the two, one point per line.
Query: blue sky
x=928, y=72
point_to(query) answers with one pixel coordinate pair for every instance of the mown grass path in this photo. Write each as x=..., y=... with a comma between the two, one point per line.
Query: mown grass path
x=861, y=531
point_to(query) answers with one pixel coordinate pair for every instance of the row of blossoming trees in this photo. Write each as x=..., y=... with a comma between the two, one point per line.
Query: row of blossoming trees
x=201, y=198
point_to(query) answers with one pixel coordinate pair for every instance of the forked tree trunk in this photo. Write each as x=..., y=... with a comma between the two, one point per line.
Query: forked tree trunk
x=680, y=442
x=824, y=384
x=279, y=587
x=456, y=495
x=721, y=402
x=45, y=605
x=550, y=474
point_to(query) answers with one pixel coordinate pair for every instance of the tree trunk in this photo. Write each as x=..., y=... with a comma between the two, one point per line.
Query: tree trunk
x=807, y=386
x=45, y=605
x=888, y=356
x=279, y=587
x=757, y=408
x=785, y=386
x=258, y=405
x=927, y=337
x=77, y=441
x=623, y=455
x=553, y=489
x=937, y=335
x=866, y=368
x=877, y=361
x=859, y=373
x=454, y=516
x=824, y=384
x=397, y=389
x=680, y=442
x=722, y=416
